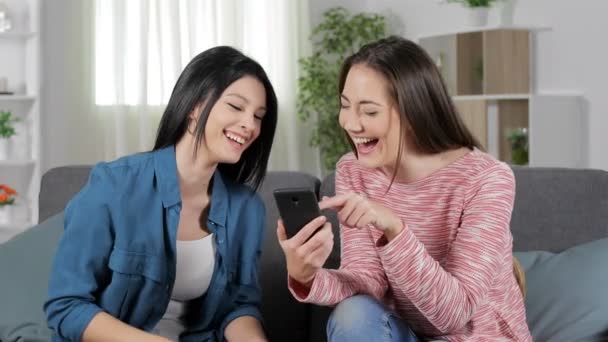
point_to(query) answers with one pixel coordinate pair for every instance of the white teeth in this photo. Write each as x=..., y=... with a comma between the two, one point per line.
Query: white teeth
x=362, y=140
x=235, y=138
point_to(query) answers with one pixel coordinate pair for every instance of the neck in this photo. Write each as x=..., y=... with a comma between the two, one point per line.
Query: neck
x=416, y=166
x=194, y=174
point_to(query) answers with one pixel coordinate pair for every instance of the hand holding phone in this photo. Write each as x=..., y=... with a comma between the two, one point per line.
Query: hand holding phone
x=297, y=207
x=305, y=235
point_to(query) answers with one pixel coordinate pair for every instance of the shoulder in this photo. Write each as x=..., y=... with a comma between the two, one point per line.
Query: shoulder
x=351, y=175
x=349, y=167
x=129, y=168
x=488, y=174
x=107, y=178
x=347, y=162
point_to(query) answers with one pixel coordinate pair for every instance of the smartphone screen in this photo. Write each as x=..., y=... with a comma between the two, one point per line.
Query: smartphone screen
x=297, y=207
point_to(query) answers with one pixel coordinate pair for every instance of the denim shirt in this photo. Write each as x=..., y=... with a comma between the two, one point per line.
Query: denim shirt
x=117, y=253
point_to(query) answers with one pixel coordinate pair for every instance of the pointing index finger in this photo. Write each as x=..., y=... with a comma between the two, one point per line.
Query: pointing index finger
x=333, y=202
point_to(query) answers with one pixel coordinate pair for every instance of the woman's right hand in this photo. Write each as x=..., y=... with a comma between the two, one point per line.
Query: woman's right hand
x=306, y=256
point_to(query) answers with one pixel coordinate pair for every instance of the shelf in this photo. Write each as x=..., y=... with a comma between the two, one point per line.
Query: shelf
x=481, y=29
x=496, y=97
x=18, y=98
x=17, y=163
x=483, y=61
x=15, y=35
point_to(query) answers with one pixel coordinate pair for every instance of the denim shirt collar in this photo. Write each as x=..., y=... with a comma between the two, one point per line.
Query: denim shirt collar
x=165, y=166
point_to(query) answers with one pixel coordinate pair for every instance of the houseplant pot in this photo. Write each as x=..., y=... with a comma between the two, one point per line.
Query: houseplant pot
x=4, y=149
x=477, y=10
x=6, y=214
x=478, y=16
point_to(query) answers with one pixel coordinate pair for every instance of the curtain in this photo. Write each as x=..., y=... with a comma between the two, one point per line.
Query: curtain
x=141, y=47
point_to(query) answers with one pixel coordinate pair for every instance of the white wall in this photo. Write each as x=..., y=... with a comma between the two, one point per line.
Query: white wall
x=67, y=135
x=569, y=58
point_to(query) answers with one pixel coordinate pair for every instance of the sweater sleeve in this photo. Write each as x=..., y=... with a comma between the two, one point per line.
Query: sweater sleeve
x=360, y=268
x=448, y=296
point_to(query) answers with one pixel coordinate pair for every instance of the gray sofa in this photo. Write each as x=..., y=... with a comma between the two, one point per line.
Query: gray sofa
x=560, y=226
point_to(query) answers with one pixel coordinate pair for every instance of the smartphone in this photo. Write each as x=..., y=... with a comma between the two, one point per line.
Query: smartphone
x=297, y=207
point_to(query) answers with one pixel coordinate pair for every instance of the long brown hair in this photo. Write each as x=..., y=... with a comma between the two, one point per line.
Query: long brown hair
x=427, y=112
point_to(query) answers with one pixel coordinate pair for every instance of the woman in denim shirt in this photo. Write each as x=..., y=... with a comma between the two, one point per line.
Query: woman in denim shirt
x=164, y=245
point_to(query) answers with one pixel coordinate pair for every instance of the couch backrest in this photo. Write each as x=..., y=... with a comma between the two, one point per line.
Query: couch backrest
x=555, y=208
x=58, y=186
x=559, y=208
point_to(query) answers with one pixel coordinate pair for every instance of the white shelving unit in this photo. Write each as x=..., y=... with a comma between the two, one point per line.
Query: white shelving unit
x=20, y=65
x=489, y=73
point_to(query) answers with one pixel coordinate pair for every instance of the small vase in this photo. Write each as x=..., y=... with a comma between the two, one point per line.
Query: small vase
x=20, y=212
x=19, y=148
x=507, y=8
x=6, y=214
x=4, y=149
x=478, y=16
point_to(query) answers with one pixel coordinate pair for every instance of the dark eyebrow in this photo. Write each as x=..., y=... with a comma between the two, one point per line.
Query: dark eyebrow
x=362, y=101
x=239, y=96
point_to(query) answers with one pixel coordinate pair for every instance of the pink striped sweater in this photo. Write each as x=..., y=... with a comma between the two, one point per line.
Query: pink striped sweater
x=449, y=273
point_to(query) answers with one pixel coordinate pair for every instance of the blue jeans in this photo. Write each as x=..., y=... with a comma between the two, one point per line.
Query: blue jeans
x=363, y=318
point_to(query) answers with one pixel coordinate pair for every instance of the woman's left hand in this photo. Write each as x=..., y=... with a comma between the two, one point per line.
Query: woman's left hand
x=357, y=211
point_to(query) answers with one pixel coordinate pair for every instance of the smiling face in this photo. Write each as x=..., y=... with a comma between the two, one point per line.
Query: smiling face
x=235, y=120
x=370, y=117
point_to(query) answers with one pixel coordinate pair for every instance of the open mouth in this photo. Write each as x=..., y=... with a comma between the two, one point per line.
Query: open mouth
x=365, y=145
x=235, y=139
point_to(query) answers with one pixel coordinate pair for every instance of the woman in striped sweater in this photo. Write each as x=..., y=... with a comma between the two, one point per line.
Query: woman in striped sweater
x=424, y=215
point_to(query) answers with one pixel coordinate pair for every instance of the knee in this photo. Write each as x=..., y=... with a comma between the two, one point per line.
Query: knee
x=353, y=313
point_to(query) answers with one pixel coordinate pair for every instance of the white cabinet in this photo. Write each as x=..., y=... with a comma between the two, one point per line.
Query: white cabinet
x=490, y=75
x=20, y=70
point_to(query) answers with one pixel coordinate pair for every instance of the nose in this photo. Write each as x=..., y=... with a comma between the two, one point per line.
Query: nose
x=350, y=122
x=249, y=122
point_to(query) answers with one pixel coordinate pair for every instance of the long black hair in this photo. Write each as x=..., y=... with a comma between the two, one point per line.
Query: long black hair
x=428, y=114
x=203, y=81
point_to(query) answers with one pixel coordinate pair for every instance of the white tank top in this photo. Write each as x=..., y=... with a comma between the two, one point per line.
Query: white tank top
x=194, y=269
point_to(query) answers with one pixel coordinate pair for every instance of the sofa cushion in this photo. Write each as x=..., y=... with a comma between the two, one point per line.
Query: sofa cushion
x=25, y=265
x=566, y=298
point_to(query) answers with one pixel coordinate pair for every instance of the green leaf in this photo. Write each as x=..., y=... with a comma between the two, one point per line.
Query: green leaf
x=7, y=129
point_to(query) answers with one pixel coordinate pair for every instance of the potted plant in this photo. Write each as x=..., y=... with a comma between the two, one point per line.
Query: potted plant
x=7, y=198
x=518, y=139
x=7, y=130
x=339, y=35
x=478, y=10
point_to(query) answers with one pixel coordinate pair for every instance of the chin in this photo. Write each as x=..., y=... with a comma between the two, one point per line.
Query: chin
x=369, y=162
x=230, y=160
